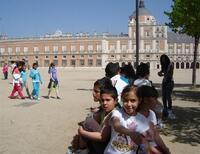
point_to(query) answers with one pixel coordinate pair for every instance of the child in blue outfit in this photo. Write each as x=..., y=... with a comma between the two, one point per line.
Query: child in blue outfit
x=36, y=80
x=24, y=79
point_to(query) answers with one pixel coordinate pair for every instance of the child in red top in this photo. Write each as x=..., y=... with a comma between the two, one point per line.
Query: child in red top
x=5, y=71
x=16, y=82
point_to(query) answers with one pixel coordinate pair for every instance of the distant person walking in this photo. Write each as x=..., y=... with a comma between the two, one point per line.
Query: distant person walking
x=167, y=70
x=5, y=71
x=53, y=83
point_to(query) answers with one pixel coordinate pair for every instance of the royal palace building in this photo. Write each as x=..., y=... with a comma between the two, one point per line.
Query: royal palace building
x=86, y=50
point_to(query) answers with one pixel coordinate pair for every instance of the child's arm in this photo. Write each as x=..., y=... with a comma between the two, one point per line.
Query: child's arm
x=136, y=137
x=40, y=78
x=97, y=136
x=160, y=142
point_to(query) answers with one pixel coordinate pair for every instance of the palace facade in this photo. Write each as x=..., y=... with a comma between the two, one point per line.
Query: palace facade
x=85, y=50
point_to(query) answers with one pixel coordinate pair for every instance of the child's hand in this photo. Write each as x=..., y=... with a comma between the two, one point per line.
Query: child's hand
x=136, y=137
x=80, y=130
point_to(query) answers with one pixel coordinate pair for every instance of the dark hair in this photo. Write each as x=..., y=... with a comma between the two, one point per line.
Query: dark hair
x=35, y=64
x=126, y=90
x=142, y=70
x=51, y=65
x=147, y=91
x=109, y=89
x=103, y=82
x=128, y=71
x=165, y=62
x=112, y=69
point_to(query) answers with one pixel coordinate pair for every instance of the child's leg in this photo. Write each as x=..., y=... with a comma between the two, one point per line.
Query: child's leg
x=13, y=91
x=19, y=90
x=37, y=89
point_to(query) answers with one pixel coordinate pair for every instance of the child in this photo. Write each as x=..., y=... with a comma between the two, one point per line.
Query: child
x=5, y=71
x=36, y=80
x=127, y=125
x=98, y=139
x=17, y=80
x=24, y=79
x=148, y=100
x=53, y=83
x=112, y=71
x=143, y=73
x=98, y=85
x=92, y=121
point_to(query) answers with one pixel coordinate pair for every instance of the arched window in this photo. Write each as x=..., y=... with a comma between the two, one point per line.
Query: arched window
x=197, y=65
x=182, y=65
x=187, y=65
x=123, y=64
x=158, y=66
x=177, y=65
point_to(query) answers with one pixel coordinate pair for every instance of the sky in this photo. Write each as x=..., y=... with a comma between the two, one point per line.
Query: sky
x=28, y=18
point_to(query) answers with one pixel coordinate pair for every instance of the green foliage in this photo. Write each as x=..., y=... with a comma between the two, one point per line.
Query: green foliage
x=185, y=17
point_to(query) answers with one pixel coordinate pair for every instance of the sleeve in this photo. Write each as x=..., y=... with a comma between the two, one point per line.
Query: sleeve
x=31, y=75
x=116, y=113
x=152, y=117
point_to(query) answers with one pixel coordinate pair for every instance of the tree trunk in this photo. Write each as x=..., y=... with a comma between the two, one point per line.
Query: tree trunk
x=196, y=43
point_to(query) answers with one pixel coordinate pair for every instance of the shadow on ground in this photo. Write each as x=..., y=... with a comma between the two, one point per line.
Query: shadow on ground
x=186, y=127
x=183, y=92
x=26, y=104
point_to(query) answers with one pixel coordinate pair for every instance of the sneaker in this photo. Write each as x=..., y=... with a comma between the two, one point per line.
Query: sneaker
x=23, y=97
x=171, y=115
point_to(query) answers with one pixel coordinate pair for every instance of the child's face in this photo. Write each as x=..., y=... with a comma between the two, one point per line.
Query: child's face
x=108, y=103
x=35, y=66
x=130, y=103
x=24, y=67
x=96, y=93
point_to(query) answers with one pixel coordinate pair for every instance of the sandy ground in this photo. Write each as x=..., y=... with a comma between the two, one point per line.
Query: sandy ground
x=47, y=126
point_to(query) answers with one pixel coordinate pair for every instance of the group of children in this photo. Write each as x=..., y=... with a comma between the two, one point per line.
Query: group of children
x=127, y=117
x=19, y=80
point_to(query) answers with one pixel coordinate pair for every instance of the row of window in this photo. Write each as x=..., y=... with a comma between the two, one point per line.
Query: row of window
x=183, y=65
x=74, y=63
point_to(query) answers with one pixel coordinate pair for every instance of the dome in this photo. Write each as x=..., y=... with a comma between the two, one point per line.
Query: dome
x=142, y=10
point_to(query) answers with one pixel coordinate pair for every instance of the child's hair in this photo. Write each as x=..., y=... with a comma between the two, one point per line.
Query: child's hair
x=128, y=71
x=35, y=64
x=112, y=69
x=127, y=89
x=147, y=91
x=142, y=70
x=109, y=89
x=101, y=83
x=50, y=66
